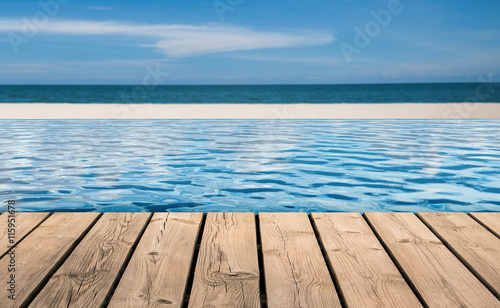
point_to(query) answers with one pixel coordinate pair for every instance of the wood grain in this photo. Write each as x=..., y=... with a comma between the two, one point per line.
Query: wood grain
x=157, y=274
x=24, y=224
x=364, y=271
x=41, y=253
x=295, y=272
x=475, y=246
x=86, y=277
x=490, y=221
x=438, y=276
x=227, y=270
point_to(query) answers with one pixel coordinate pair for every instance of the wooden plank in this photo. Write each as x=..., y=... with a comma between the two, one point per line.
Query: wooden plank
x=167, y=246
x=227, y=269
x=295, y=272
x=475, y=246
x=437, y=275
x=41, y=253
x=86, y=277
x=24, y=224
x=489, y=220
x=365, y=273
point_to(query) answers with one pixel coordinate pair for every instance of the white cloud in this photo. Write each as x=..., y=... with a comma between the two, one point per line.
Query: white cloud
x=21, y=71
x=182, y=40
x=120, y=63
x=213, y=40
x=71, y=65
x=308, y=60
x=26, y=65
x=338, y=62
x=99, y=8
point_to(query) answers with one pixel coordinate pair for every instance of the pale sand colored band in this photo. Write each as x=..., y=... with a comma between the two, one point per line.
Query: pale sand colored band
x=250, y=111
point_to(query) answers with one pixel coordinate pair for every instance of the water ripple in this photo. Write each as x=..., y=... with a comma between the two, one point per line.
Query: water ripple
x=251, y=165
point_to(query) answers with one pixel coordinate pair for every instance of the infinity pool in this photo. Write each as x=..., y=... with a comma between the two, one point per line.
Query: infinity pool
x=250, y=165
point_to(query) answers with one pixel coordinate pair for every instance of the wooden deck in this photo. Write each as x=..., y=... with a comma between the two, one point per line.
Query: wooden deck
x=246, y=260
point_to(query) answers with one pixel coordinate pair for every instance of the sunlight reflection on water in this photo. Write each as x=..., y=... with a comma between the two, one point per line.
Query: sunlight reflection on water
x=251, y=165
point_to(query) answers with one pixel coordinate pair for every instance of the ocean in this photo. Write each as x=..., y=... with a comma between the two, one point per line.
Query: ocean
x=251, y=165
x=252, y=94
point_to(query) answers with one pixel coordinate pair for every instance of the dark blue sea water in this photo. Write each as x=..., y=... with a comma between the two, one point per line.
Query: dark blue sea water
x=250, y=165
x=250, y=94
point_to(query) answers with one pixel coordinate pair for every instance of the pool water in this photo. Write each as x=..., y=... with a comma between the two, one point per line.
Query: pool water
x=250, y=165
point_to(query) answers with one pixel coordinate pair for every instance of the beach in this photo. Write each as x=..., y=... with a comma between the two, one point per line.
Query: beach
x=251, y=111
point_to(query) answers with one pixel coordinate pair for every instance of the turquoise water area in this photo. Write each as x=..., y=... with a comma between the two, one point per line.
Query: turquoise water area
x=250, y=165
x=251, y=94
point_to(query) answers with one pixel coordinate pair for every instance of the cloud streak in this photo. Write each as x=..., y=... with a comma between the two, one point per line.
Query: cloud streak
x=177, y=40
x=99, y=8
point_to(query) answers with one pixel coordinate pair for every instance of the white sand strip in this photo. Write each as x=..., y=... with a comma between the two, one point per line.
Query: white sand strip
x=250, y=111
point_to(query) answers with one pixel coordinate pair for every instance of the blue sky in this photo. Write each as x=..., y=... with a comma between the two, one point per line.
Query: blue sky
x=249, y=41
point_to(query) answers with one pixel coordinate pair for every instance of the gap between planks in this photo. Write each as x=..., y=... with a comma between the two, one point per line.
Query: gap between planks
x=488, y=225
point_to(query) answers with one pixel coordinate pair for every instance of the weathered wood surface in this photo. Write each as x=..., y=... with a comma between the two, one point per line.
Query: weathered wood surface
x=477, y=247
x=295, y=272
x=227, y=269
x=42, y=252
x=86, y=277
x=489, y=220
x=375, y=260
x=23, y=225
x=438, y=276
x=364, y=271
x=157, y=274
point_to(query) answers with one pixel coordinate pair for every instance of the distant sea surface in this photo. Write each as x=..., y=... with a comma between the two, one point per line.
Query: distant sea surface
x=252, y=94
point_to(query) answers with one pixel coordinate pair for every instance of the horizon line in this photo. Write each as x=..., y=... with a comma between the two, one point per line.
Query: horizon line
x=243, y=84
